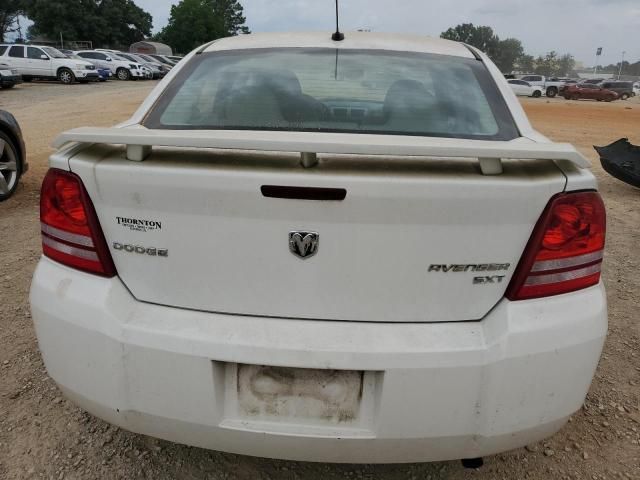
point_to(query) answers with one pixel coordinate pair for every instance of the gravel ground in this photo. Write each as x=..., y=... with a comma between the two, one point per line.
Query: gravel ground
x=44, y=436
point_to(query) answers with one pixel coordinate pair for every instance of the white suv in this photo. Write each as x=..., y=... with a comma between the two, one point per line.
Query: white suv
x=9, y=77
x=354, y=251
x=36, y=61
x=122, y=68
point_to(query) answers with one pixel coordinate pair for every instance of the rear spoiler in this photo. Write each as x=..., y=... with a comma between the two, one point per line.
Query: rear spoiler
x=139, y=142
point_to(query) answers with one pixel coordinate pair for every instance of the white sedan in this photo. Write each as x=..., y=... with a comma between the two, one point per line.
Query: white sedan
x=449, y=311
x=525, y=89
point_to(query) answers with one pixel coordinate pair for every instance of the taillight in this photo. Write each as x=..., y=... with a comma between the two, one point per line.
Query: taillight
x=565, y=251
x=71, y=233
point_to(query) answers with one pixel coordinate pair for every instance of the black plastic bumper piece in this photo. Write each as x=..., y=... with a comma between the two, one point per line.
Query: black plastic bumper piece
x=472, y=462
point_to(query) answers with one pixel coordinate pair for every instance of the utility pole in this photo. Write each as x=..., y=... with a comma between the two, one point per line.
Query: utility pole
x=19, y=29
x=621, y=62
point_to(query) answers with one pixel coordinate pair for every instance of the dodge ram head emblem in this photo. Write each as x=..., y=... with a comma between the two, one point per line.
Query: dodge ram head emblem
x=303, y=244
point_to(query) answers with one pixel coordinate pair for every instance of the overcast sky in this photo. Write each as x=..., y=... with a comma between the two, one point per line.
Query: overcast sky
x=574, y=26
x=567, y=26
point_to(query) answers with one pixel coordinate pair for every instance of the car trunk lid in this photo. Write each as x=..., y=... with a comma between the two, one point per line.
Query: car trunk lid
x=412, y=240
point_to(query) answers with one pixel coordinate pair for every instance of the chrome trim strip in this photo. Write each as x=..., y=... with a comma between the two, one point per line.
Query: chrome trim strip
x=562, y=276
x=567, y=262
x=69, y=250
x=67, y=236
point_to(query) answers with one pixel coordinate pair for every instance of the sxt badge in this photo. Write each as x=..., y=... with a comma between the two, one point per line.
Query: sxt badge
x=485, y=280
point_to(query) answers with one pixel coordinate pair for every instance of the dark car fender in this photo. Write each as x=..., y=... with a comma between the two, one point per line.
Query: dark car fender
x=9, y=125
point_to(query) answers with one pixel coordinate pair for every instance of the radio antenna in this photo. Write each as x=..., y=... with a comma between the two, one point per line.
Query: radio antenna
x=338, y=36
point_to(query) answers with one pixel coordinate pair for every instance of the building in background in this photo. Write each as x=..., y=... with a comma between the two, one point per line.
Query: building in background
x=151, y=48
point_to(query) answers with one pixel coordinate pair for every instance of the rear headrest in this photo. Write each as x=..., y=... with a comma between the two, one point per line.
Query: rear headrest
x=405, y=96
x=285, y=80
x=253, y=105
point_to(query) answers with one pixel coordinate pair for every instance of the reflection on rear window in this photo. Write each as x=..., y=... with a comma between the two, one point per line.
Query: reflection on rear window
x=338, y=91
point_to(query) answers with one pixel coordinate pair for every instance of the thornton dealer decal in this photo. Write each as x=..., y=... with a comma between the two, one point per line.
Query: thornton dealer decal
x=139, y=224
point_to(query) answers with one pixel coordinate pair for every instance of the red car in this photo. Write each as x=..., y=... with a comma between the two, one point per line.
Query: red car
x=589, y=91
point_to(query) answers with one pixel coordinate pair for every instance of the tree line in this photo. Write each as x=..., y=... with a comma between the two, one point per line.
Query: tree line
x=194, y=22
x=108, y=23
x=509, y=54
x=119, y=23
x=627, y=68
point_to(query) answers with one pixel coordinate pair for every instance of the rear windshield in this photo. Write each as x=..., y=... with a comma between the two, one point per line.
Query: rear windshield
x=351, y=91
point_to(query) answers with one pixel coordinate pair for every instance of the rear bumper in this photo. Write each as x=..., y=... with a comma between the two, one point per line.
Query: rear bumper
x=435, y=391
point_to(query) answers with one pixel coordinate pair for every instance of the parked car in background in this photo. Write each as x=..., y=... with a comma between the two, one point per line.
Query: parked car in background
x=9, y=77
x=522, y=88
x=13, y=163
x=103, y=73
x=158, y=70
x=587, y=91
x=567, y=83
x=636, y=88
x=148, y=58
x=42, y=62
x=623, y=89
x=122, y=68
x=165, y=60
x=276, y=304
x=148, y=73
x=174, y=58
x=551, y=87
x=592, y=81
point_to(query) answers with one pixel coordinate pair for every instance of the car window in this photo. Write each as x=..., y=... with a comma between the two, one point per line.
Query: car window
x=34, y=53
x=53, y=52
x=16, y=52
x=99, y=56
x=3, y=48
x=357, y=91
x=161, y=59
